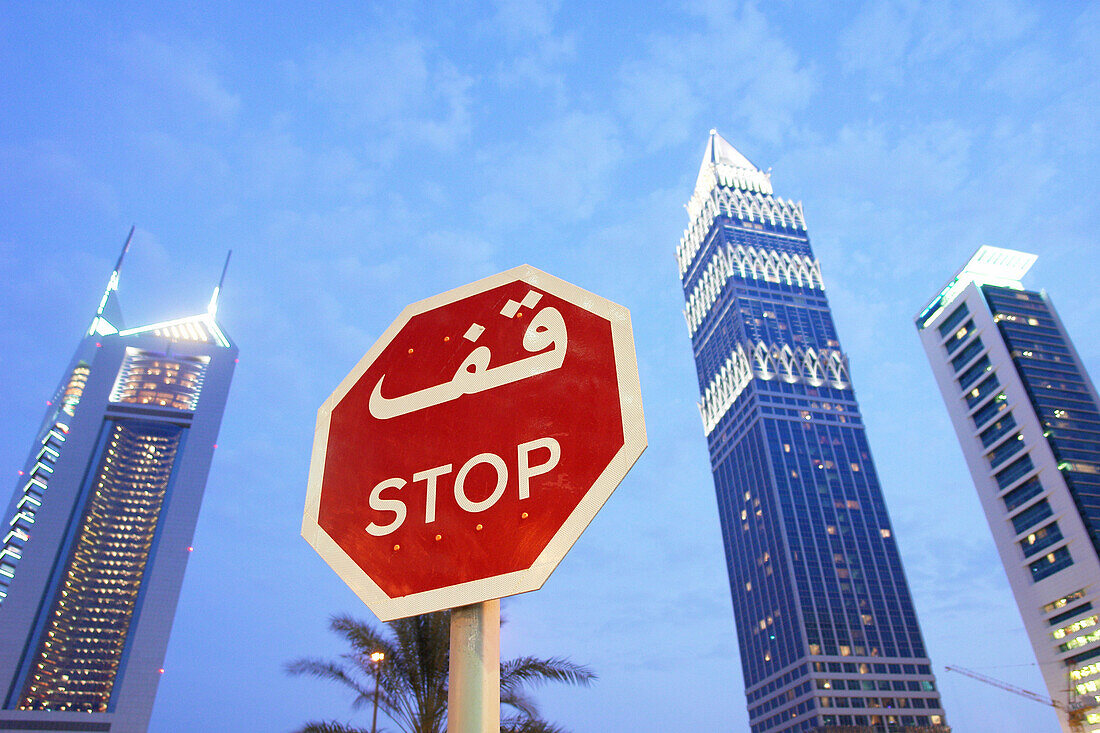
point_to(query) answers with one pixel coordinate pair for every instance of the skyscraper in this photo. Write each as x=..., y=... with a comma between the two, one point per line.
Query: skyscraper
x=1028, y=419
x=99, y=529
x=825, y=623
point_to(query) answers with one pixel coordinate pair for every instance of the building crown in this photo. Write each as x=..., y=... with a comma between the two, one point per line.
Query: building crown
x=725, y=165
x=203, y=327
x=988, y=266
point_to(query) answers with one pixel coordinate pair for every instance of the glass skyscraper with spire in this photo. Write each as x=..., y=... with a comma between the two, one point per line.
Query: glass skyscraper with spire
x=98, y=531
x=828, y=636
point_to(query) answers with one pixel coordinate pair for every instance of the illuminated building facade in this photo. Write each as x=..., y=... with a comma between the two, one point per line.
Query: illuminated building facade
x=98, y=532
x=1028, y=419
x=828, y=635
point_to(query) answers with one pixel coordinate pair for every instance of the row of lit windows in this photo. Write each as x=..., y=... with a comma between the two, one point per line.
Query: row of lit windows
x=778, y=683
x=1075, y=627
x=122, y=547
x=146, y=378
x=28, y=504
x=79, y=637
x=133, y=495
x=878, y=702
x=92, y=613
x=784, y=698
x=883, y=722
x=793, y=712
x=1080, y=641
x=136, y=522
x=876, y=684
x=74, y=390
x=66, y=658
x=1044, y=537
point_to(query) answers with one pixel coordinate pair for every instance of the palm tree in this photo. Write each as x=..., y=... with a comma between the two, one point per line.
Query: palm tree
x=410, y=686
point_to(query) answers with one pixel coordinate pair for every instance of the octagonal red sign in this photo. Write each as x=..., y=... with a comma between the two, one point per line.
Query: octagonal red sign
x=467, y=451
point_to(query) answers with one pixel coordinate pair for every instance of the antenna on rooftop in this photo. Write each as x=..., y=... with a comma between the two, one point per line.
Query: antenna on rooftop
x=110, y=323
x=125, y=247
x=212, y=309
x=112, y=283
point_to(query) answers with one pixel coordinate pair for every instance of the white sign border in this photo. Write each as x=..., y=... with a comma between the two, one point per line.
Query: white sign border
x=520, y=581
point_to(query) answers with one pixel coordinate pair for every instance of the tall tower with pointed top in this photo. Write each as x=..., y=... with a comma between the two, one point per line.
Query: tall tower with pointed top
x=99, y=529
x=828, y=635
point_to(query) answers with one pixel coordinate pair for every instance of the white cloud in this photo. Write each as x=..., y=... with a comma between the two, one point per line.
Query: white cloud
x=564, y=167
x=888, y=40
x=532, y=52
x=524, y=19
x=173, y=158
x=46, y=175
x=182, y=73
x=540, y=68
x=396, y=87
x=730, y=68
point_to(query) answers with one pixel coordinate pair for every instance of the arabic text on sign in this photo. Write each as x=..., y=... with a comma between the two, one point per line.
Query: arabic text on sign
x=546, y=338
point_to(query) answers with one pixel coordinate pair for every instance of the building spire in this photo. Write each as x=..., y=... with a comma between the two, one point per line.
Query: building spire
x=212, y=308
x=112, y=283
x=108, y=316
x=720, y=152
x=724, y=166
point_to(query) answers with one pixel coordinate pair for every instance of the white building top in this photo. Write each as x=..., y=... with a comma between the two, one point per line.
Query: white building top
x=988, y=266
x=997, y=266
x=724, y=165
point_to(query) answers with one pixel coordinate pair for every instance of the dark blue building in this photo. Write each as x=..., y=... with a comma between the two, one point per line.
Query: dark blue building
x=99, y=528
x=825, y=622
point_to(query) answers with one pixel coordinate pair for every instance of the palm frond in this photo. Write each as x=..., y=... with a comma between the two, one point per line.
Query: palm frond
x=411, y=682
x=363, y=637
x=328, y=727
x=518, y=699
x=528, y=725
x=324, y=670
x=535, y=671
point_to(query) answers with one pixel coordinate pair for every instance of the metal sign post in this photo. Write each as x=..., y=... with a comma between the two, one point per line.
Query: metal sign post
x=473, y=694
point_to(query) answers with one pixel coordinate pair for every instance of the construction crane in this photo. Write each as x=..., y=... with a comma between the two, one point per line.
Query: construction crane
x=1075, y=711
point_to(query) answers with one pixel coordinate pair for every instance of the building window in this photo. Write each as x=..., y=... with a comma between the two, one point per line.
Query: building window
x=1006, y=450
x=966, y=355
x=1041, y=539
x=1022, y=494
x=1015, y=470
x=997, y=430
x=959, y=337
x=149, y=378
x=953, y=320
x=1065, y=616
x=982, y=391
x=974, y=373
x=1075, y=627
x=990, y=410
x=1031, y=516
x=1047, y=566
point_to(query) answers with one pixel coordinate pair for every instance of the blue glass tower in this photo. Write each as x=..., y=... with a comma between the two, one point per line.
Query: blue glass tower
x=99, y=528
x=828, y=635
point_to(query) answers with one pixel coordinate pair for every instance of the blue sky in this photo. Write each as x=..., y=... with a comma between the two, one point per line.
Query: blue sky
x=359, y=156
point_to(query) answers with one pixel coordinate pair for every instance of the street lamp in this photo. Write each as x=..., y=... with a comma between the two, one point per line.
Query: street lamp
x=376, y=658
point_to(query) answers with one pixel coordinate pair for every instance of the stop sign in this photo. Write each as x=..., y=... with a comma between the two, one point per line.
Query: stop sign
x=469, y=448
